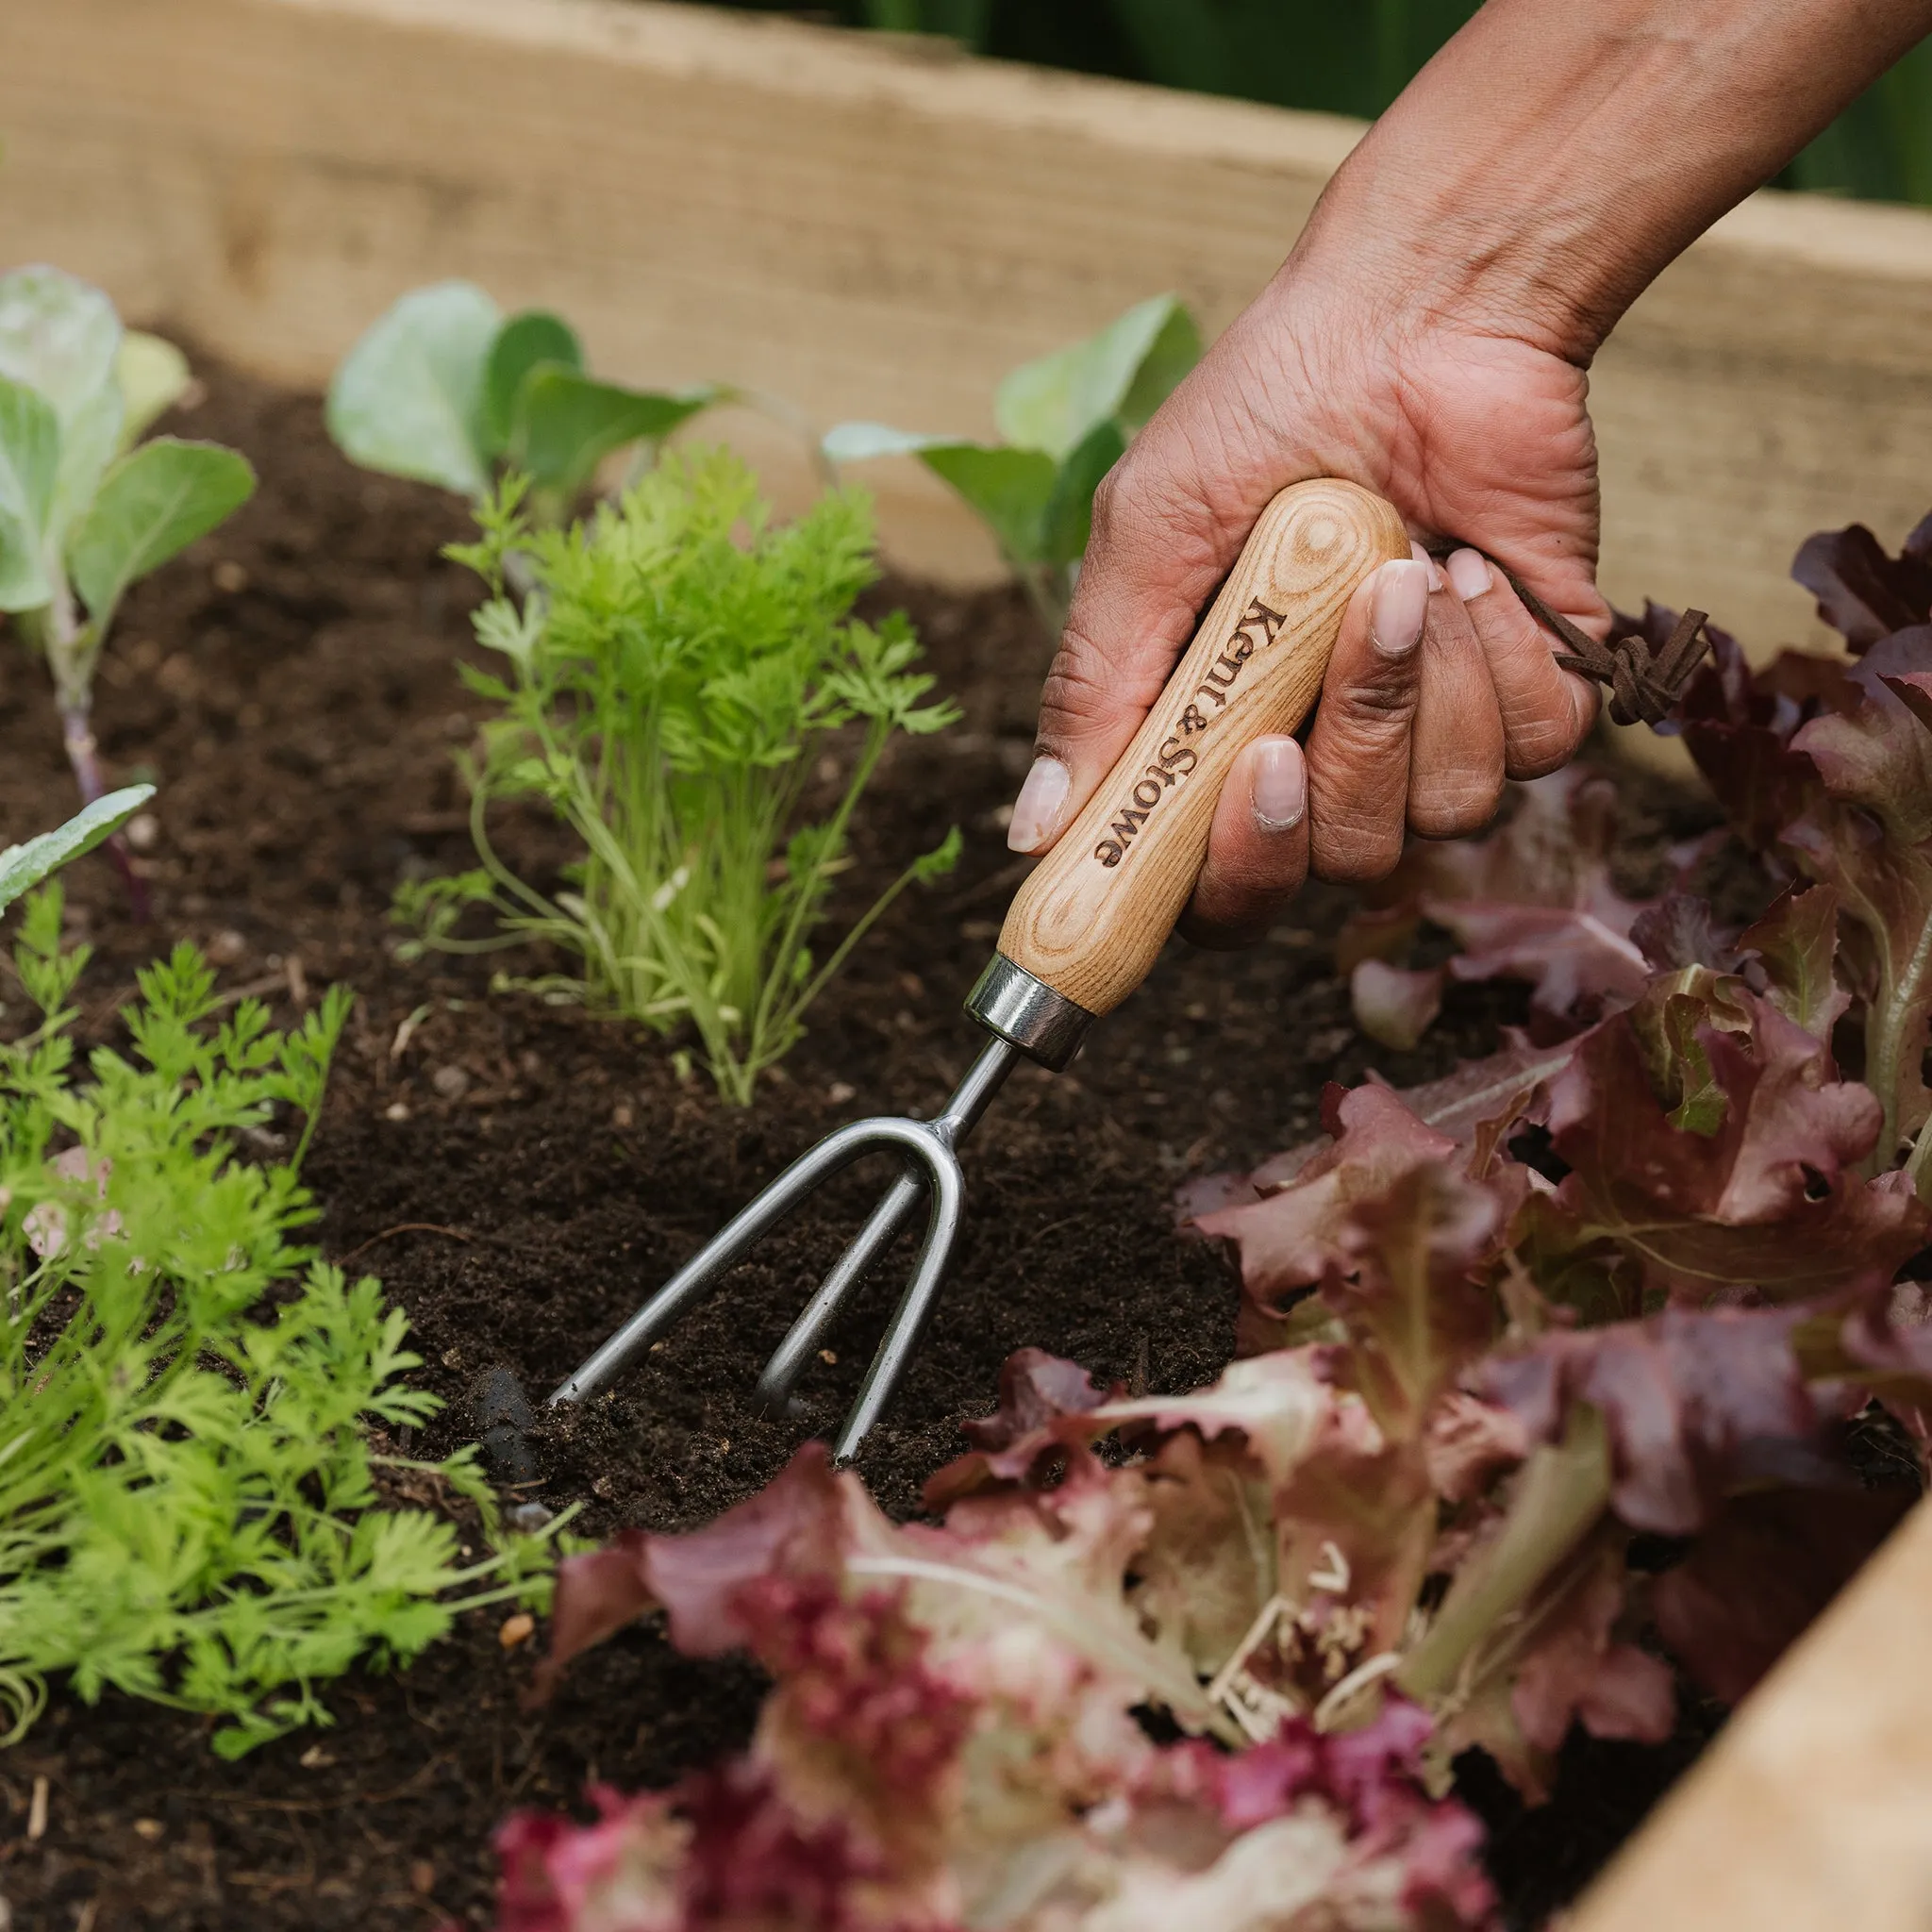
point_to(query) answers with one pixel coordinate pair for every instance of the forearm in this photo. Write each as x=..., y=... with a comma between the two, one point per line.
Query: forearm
x=1556, y=154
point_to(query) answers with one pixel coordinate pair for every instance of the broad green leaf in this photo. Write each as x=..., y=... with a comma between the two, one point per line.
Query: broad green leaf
x=29, y=460
x=151, y=376
x=857, y=443
x=151, y=504
x=567, y=422
x=1056, y=402
x=1010, y=488
x=22, y=867
x=1069, y=519
x=58, y=335
x=521, y=344
x=409, y=397
x=88, y=440
x=1172, y=354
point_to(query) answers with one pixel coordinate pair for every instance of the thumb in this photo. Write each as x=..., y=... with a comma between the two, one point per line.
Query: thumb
x=1162, y=541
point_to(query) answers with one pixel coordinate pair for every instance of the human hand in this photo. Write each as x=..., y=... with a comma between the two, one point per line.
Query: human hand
x=1440, y=682
x=1427, y=339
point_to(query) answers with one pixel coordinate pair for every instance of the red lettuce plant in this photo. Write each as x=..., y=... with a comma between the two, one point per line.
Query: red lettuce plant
x=1665, y=1233
x=951, y=1741
x=1546, y=1397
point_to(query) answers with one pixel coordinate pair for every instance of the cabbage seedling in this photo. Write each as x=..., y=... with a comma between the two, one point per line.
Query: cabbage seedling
x=444, y=390
x=1064, y=420
x=85, y=507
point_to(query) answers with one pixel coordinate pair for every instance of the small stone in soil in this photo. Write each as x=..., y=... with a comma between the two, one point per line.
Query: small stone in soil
x=149, y=1828
x=499, y=1397
x=396, y=1110
x=451, y=1083
x=516, y=1630
x=503, y=1413
x=226, y=947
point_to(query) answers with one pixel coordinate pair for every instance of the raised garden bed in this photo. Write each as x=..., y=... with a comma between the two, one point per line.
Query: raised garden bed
x=517, y=1174
x=870, y=231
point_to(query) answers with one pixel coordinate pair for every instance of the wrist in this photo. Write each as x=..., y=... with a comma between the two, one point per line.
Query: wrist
x=1543, y=169
x=1462, y=263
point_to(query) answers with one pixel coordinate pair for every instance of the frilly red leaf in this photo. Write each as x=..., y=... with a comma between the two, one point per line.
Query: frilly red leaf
x=1291, y=1238
x=1761, y=1573
x=1694, y=1401
x=1862, y=593
x=1795, y=947
x=1772, y=1201
x=695, y=1578
x=1580, y=1670
x=1035, y=1389
x=1533, y=901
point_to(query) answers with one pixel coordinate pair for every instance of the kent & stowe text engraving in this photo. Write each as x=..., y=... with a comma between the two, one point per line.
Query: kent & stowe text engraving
x=1176, y=757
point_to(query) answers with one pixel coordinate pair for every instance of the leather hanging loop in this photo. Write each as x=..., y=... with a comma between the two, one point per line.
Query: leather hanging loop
x=1644, y=682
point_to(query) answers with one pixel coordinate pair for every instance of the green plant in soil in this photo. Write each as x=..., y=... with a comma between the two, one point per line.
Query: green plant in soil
x=680, y=676
x=190, y=1508
x=85, y=507
x=444, y=389
x=1064, y=422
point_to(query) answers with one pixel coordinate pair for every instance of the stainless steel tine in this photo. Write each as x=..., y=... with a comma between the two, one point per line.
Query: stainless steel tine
x=735, y=1238
x=929, y=1165
x=910, y=1318
x=940, y=1136
x=801, y=1341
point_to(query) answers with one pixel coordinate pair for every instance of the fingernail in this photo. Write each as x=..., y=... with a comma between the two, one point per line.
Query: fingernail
x=1037, y=810
x=1279, y=786
x=1401, y=602
x=1428, y=563
x=1469, y=571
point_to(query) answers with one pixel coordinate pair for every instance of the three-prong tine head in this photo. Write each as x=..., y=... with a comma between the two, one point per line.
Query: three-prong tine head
x=930, y=1169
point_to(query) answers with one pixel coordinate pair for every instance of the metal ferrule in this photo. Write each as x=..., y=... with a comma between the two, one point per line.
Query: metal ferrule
x=1045, y=1026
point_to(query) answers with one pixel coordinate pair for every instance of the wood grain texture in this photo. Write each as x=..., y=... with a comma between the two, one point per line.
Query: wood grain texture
x=1093, y=915
x=1812, y=1811
x=870, y=230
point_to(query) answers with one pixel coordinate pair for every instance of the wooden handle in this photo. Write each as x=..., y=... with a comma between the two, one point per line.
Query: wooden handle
x=1093, y=918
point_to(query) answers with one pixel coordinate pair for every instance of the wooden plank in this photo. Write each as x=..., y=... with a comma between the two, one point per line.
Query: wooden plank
x=867, y=230
x=825, y=217
x=1812, y=1811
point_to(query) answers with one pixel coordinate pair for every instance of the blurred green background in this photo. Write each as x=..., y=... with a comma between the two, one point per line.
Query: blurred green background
x=1351, y=56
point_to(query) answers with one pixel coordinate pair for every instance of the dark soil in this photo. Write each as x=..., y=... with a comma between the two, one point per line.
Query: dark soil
x=521, y=1174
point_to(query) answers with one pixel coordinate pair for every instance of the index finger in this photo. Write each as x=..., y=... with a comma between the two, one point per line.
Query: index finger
x=1168, y=521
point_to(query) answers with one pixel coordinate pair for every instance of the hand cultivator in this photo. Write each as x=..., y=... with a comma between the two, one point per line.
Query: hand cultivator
x=1082, y=933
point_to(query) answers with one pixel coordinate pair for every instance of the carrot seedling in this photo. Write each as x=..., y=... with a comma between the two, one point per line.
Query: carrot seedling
x=189, y=1501
x=680, y=677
